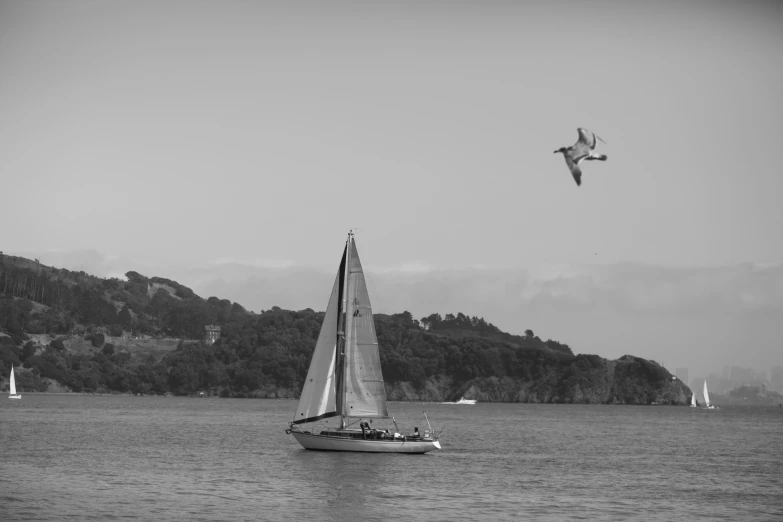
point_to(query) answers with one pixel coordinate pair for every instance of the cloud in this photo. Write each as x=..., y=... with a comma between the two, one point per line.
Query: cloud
x=257, y=263
x=412, y=267
x=624, y=287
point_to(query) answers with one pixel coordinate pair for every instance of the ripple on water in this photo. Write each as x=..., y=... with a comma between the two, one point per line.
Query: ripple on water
x=148, y=458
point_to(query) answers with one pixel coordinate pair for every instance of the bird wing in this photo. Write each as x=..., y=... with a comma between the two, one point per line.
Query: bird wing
x=576, y=172
x=586, y=137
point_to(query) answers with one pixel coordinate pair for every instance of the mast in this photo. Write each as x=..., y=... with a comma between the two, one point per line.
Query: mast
x=342, y=329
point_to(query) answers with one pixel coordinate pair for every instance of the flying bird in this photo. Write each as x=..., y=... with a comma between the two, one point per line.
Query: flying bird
x=581, y=150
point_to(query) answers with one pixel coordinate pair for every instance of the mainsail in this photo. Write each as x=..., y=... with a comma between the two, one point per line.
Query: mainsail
x=706, y=395
x=12, y=383
x=364, y=393
x=318, y=399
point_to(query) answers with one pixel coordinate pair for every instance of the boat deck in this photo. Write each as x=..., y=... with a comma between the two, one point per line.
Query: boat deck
x=354, y=440
x=376, y=435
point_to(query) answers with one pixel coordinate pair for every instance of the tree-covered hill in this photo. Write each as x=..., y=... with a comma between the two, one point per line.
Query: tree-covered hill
x=71, y=331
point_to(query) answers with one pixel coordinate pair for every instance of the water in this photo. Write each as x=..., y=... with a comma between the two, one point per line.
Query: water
x=76, y=457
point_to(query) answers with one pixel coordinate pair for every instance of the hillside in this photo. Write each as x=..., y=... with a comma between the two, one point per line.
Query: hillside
x=72, y=331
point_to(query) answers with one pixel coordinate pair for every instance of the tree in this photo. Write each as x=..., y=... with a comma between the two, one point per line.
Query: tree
x=28, y=350
x=431, y=322
x=135, y=277
x=124, y=318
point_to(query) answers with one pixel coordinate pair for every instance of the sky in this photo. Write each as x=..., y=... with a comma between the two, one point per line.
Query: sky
x=232, y=145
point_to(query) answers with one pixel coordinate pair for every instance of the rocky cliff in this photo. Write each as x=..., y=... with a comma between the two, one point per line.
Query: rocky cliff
x=629, y=380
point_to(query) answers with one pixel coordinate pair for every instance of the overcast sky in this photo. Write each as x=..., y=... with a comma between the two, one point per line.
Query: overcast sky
x=185, y=134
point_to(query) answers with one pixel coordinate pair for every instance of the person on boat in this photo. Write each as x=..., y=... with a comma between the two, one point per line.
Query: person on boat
x=416, y=432
x=364, y=426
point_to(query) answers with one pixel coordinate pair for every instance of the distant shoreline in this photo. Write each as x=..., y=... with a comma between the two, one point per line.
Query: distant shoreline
x=82, y=394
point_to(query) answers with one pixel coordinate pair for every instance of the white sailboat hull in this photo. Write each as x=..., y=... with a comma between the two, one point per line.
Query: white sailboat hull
x=15, y=396
x=325, y=443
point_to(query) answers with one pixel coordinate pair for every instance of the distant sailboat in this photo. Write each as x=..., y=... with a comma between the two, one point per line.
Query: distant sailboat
x=463, y=400
x=12, y=386
x=707, y=403
x=345, y=380
x=694, y=402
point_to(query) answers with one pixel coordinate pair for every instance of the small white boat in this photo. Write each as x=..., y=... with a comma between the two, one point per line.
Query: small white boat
x=345, y=380
x=463, y=400
x=694, y=402
x=707, y=404
x=12, y=386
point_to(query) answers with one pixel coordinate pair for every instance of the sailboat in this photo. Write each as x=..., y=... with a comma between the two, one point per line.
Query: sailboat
x=707, y=404
x=462, y=400
x=694, y=402
x=12, y=386
x=345, y=379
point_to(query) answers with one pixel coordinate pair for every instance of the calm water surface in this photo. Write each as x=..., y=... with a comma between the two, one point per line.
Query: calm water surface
x=74, y=457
